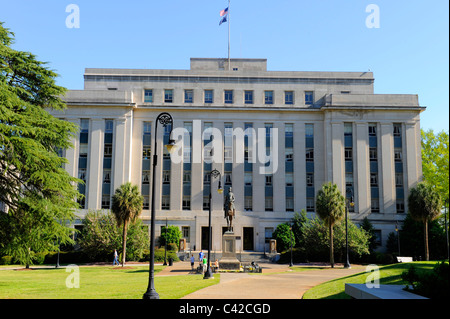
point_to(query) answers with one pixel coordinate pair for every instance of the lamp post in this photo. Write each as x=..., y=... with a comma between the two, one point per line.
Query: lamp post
x=398, y=236
x=214, y=173
x=291, y=263
x=165, y=246
x=164, y=119
x=350, y=202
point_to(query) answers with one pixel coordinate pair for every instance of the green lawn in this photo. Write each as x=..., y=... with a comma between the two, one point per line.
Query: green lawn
x=389, y=275
x=96, y=283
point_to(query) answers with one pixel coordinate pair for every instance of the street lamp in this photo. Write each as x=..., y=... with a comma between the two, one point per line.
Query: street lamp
x=350, y=202
x=164, y=119
x=214, y=173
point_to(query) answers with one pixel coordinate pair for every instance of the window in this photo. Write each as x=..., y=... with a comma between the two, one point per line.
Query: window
x=228, y=96
x=148, y=96
x=373, y=154
x=398, y=155
x=248, y=203
x=186, y=202
x=349, y=179
x=289, y=178
x=377, y=236
x=82, y=174
x=248, y=97
x=348, y=154
x=205, y=202
x=309, y=97
x=146, y=177
x=309, y=130
x=106, y=176
x=374, y=179
x=289, y=154
x=309, y=154
x=166, y=177
x=400, y=206
x=398, y=179
x=372, y=130
x=268, y=231
x=207, y=178
x=289, y=130
x=146, y=203
x=310, y=179
x=375, y=205
x=227, y=176
x=106, y=200
x=248, y=178
x=269, y=180
x=146, y=152
x=165, y=202
x=289, y=204
x=348, y=129
x=188, y=96
x=209, y=97
x=186, y=177
x=268, y=203
x=186, y=232
x=309, y=204
x=84, y=126
x=108, y=150
x=289, y=97
x=168, y=96
x=397, y=129
x=268, y=97
x=345, y=92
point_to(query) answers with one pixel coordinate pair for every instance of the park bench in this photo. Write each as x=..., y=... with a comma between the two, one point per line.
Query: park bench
x=404, y=259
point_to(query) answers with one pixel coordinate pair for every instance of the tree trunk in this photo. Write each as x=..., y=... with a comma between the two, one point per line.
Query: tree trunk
x=124, y=242
x=425, y=237
x=331, y=247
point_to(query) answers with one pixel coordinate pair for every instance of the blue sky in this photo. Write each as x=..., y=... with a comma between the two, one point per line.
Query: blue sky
x=408, y=53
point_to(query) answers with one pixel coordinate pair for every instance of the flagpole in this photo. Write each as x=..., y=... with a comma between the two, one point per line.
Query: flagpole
x=229, y=22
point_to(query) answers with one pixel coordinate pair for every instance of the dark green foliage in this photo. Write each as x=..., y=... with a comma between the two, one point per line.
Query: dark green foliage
x=431, y=284
x=284, y=237
x=101, y=235
x=39, y=193
x=173, y=236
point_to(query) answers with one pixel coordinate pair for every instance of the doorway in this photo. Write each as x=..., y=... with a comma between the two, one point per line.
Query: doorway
x=205, y=237
x=248, y=238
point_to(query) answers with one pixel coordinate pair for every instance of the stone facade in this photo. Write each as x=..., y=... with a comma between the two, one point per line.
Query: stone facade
x=331, y=127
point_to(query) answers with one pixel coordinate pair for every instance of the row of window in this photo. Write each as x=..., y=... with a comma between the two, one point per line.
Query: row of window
x=229, y=97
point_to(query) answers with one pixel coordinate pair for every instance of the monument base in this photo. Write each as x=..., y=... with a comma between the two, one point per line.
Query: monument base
x=229, y=260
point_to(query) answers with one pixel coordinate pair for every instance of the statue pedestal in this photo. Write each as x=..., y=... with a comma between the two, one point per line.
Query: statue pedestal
x=229, y=260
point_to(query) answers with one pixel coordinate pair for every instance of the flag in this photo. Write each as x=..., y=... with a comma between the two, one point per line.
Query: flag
x=223, y=20
x=224, y=12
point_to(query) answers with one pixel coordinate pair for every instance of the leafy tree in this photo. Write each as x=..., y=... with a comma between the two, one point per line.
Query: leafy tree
x=297, y=221
x=424, y=205
x=330, y=207
x=435, y=160
x=284, y=237
x=172, y=236
x=101, y=235
x=30, y=138
x=37, y=191
x=126, y=207
x=316, y=239
x=368, y=227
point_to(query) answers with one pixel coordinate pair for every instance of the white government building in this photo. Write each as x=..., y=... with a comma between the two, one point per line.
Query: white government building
x=327, y=126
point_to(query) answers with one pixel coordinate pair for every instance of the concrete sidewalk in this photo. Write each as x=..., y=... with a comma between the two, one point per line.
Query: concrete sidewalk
x=278, y=283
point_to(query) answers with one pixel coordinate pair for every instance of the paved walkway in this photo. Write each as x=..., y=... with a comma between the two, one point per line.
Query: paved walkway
x=279, y=283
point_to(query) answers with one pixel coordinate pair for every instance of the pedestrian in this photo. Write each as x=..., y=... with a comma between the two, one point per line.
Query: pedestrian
x=116, y=258
x=205, y=264
x=192, y=261
x=216, y=265
x=200, y=256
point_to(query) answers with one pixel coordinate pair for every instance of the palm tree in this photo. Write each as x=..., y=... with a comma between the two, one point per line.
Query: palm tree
x=126, y=206
x=330, y=206
x=424, y=204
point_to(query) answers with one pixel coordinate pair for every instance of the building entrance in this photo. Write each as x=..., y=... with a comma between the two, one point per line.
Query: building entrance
x=248, y=238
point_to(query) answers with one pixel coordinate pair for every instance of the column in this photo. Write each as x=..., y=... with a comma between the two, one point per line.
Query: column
x=387, y=175
x=95, y=163
x=362, y=175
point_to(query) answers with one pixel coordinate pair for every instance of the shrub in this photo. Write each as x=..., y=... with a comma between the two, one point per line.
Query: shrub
x=284, y=236
x=432, y=284
x=6, y=260
x=159, y=255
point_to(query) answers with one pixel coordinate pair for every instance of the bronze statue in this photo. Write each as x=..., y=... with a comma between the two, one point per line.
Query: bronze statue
x=229, y=209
